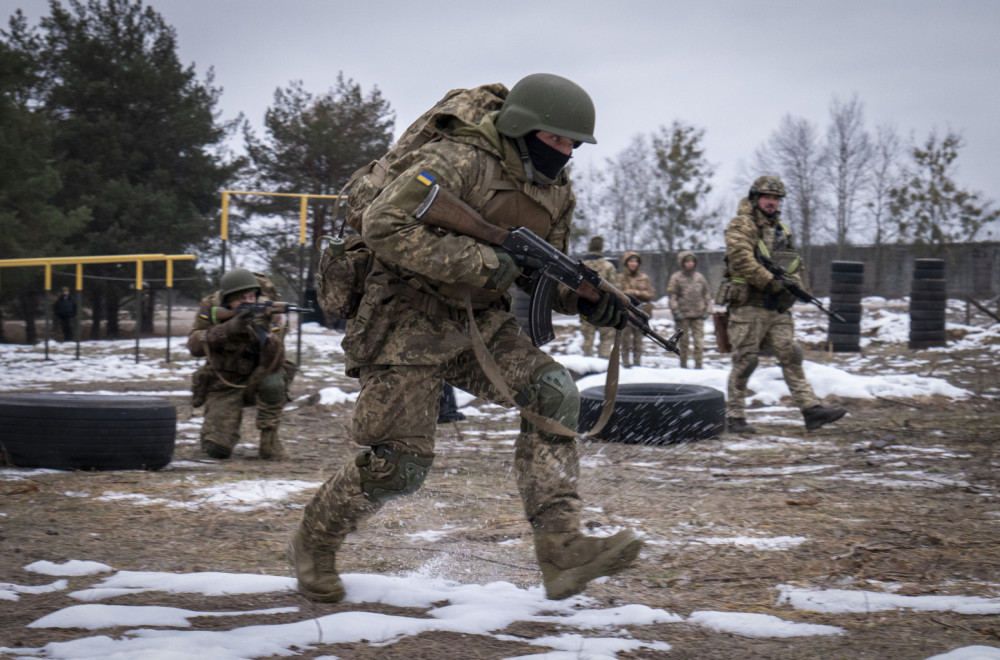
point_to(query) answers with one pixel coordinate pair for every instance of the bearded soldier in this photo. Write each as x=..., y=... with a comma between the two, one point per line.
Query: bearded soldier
x=759, y=304
x=413, y=331
x=244, y=365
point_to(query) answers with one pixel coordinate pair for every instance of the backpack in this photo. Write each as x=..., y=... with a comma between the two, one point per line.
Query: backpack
x=346, y=261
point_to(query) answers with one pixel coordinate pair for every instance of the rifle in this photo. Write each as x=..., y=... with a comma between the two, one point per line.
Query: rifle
x=794, y=289
x=549, y=266
x=256, y=309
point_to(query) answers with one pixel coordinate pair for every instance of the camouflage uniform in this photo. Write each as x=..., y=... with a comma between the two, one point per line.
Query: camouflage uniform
x=751, y=323
x=412, y=332
x=244, y=366
x=639, y=286
x=690, y=303
x=600, y=264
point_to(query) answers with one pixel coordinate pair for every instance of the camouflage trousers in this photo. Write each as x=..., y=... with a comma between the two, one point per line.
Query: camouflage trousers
x=631, y=348
x=398, y=407
x=750, y=329
x=224, y=409
x=607, y=339
x=694, y=333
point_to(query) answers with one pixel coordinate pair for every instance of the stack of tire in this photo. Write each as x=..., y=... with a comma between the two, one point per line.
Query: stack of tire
x=928, y=303
x=846, y=278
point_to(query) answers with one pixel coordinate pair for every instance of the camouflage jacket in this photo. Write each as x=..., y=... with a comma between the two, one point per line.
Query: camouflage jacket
x=602, y=266
x=749, y=234
x=690, y=295
x=233, y=349
x=638, y=285
x=411, y=311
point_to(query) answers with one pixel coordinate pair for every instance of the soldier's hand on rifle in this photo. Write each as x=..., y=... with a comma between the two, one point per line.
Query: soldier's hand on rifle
x=501, y=277
x=779, y=298
x=607, y=312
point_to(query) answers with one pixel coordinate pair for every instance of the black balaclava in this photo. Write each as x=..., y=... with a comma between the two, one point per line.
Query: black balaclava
x=544, y=158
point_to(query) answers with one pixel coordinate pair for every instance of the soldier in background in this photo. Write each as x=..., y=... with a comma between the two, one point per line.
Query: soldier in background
x=595, y=260
x=639, y=286
x=244, y=364
x=759, y=305
x=690, y=303
x=64, y=309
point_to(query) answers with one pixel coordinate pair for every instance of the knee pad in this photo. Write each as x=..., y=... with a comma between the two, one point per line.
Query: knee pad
x=790, y=355
x=751, y=366
x=553, y=388
x=272, y=388
x=388, y=473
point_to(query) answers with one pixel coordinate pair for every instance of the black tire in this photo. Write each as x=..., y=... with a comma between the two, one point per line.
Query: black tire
x=656, y=413
x=923, y=326
x=844, y=328
x=844, y=287
x=841, y=338
x=86, y=431
x=928, y=266
x=847, y=267
x=845, y=348
x=928, y=335
x=926, y=296
x=927, y=315
x=847, y=278
x=929, y=305
x=917, y=286
x=845, y=306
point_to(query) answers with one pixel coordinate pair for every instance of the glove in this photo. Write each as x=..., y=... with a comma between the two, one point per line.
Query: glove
x=607, y=312
x=503, y=275
x=778, y=297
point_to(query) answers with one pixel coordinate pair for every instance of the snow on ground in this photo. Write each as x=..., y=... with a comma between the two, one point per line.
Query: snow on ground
x=471, y=608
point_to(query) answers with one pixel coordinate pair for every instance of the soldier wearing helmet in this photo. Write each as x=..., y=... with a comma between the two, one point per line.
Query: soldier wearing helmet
x=244, y=365
x=758, y=304
x=413, y=331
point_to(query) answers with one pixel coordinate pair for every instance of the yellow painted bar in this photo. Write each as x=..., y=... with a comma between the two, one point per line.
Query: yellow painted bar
x=79, y=277
x=274, y=194
x=57, y=261
x=225, y=215
x=138, y=275
x=48, y=277
x=170, y=273
x=304, y=207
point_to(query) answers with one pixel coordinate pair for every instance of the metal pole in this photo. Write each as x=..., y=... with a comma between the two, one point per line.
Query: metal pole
x=48, y=307
x=138, y=306
x=78, y=293
x=170, y=308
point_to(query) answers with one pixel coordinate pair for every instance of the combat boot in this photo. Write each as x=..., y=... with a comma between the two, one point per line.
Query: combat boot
x=271, y=448
x=570, y=560
x=316, y=569
x=817, y=416
x=215, y=450
x=739, y=425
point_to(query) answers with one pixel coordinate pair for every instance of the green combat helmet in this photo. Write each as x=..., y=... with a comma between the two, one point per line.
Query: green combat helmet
x=236, y=280
x=547, y=102
x=767, y=185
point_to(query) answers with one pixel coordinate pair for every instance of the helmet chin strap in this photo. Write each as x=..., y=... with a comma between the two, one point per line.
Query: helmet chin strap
x=522, y=152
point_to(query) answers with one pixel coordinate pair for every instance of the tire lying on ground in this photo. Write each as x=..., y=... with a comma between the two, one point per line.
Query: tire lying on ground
x=656, y=413
x=86, y=431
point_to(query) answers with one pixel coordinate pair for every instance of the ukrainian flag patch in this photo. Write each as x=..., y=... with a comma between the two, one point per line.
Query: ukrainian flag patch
x=425, y=178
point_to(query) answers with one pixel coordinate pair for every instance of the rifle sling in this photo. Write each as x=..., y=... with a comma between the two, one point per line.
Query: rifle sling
x=550, y=426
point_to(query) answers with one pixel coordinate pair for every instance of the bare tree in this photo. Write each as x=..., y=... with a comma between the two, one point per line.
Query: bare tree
x=848, y=153
x=794, y=153
x=886, y=173
x=627, y=193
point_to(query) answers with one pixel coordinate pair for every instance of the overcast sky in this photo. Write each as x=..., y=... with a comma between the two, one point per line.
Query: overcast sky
x=732, y=67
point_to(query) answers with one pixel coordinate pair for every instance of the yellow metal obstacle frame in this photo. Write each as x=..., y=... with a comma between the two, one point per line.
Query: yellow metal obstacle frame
x=138, y=259
x=303, y=208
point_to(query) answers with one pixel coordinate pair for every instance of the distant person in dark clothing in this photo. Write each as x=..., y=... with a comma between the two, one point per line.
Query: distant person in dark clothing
x=65, y=310
x=448, y=407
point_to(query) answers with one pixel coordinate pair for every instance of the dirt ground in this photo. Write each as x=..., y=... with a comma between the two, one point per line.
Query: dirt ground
x=849, y=489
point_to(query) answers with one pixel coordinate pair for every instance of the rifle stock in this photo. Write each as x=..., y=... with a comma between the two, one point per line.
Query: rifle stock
x=551, y=267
